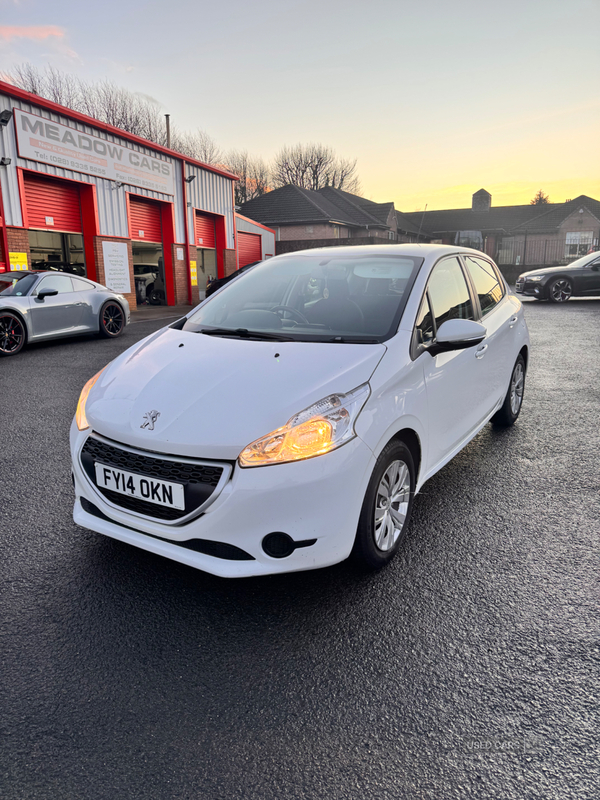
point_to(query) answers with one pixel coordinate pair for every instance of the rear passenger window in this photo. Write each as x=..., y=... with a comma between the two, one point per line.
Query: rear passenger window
x=488, y=287
x=448, y=292
x=81, y=286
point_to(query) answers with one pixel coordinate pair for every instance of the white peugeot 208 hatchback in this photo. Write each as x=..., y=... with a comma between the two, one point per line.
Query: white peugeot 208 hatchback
x=290, y=419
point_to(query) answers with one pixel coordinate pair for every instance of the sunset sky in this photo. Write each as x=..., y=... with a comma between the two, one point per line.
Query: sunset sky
x=435, y=99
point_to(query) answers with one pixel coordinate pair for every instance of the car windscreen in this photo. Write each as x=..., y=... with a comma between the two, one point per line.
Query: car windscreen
x=16, y=285
x=315, y=297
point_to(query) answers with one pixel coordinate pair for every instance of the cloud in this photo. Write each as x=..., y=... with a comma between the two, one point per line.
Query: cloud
x=36, y=33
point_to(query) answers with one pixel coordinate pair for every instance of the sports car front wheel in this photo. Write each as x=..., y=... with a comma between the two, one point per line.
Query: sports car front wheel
x=12, y=334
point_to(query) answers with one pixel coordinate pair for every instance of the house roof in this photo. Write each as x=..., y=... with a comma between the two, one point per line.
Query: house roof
x=499, y=218
x=551, y=219
x=291, y=205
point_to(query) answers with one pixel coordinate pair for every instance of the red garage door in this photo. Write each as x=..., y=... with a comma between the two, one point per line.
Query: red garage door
x=51, y=204
x=205, y=231
x=249, y=248
x=144, y=220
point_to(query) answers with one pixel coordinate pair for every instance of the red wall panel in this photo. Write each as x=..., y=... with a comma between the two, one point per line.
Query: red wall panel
x=249, y=248
x=145, y=215
x=58, y=200
x=205, y=231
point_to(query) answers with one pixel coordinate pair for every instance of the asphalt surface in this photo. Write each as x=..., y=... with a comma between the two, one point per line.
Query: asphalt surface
x=467, y=669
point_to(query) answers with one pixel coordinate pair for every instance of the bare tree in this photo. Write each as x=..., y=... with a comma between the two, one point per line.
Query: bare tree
x=198, y=145
x=540, y=199
x=253, y=174
x=313, y=166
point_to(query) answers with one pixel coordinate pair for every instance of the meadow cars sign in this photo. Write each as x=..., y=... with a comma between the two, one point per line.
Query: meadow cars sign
x=50, y=142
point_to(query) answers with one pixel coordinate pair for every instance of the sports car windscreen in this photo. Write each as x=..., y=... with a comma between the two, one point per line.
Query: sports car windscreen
x=16, y=285
x=313, y=298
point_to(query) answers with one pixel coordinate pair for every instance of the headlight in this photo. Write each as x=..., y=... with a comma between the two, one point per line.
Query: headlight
x=536, y=278
x=80, y=417
x=316, y=430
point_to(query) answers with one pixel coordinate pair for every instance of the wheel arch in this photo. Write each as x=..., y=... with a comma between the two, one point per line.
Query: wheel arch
x=21, y=318
x=411, y=439
x=524, y=351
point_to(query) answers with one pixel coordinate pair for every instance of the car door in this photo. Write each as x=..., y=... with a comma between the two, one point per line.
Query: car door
x=457, y=398
x=56, y=314
x=500, y=313
x=590, y=277
x=85, y=293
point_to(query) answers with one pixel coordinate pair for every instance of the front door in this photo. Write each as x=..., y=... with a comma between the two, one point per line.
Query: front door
x=59, y=313
x=457, y=397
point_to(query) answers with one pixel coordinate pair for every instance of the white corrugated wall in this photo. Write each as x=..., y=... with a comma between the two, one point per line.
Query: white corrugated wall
x=208, y=191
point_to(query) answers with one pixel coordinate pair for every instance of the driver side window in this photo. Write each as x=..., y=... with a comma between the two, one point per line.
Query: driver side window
x=62, y=284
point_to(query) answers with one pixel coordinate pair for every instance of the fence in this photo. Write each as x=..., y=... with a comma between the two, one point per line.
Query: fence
x=540, y=252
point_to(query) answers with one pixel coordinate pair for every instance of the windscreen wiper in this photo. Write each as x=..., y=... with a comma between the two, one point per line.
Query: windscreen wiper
x=244, y=333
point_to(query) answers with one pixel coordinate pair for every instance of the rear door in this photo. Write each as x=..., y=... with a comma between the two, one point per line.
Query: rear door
x=57, y=314
x=500, y=313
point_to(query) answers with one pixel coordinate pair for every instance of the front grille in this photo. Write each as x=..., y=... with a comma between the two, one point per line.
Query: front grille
x=199, y=480
x=222, y=550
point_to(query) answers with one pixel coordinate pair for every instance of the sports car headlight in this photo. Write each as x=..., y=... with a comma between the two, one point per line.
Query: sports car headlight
x=316, y=430
x=536, y=278
x=80, y=417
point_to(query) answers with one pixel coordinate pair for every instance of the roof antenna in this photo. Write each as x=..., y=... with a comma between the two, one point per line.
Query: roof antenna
x=422, y=218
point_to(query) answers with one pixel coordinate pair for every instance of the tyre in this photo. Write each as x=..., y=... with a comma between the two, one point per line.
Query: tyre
x=386, y=508
x=155, y=297
x=511, y=408
x=112, y=320
x=560, y=290
x=13, y=334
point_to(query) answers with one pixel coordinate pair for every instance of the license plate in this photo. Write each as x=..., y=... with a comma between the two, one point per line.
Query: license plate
x=162, y=493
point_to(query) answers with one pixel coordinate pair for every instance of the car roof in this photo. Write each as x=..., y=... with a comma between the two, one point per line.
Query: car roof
x=414, y=249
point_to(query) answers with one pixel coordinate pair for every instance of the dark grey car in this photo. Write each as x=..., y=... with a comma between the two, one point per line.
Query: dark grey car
x=36, y=305
x=580, y=278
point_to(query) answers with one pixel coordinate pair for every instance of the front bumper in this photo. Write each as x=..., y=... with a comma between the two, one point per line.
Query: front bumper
x=530, y=288
x=317, y=499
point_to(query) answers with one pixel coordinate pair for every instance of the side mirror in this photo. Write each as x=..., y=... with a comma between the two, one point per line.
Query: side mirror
x=47, y=293
x=457, y=334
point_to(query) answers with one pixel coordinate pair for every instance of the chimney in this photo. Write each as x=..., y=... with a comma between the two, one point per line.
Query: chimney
x=482, y=201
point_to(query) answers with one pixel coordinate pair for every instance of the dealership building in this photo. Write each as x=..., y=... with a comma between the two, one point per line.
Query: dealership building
x=83, y=197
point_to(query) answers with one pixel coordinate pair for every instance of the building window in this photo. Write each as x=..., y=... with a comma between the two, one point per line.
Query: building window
x=309, y=229
x=62, y=252
x=578, y=243
x=336, y=232
x=391, y=235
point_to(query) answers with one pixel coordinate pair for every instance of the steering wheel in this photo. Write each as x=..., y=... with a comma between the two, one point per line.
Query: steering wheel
x=300, y=317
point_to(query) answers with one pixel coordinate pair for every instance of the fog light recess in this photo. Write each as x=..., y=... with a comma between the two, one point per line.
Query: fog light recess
x=278, y=545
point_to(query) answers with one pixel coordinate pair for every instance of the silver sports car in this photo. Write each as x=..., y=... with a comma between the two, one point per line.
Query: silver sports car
x=36, y=305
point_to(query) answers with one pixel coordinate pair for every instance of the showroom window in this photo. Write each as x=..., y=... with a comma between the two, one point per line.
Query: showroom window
x=62, y=252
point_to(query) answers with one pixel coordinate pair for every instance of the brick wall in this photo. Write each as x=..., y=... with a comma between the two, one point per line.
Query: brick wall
x=18, y=242
x=100, y=277
x=229, y=257
x=181, y=276
x=316, y=231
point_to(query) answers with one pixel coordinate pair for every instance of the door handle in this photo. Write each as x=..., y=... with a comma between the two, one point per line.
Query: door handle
x=480, y=352
x=513, y=322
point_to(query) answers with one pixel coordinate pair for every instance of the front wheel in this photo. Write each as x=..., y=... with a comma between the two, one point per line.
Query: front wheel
x=511, y=408
x=560, y=290
x=12, y=334
x=386, y=508
x=112, y=320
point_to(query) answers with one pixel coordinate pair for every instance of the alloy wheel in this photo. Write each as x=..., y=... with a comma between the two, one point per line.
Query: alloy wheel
x=517, y=384
x=12, y=334
x=561, y=290
x=391, y=505
x=112, y=319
